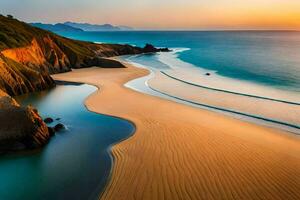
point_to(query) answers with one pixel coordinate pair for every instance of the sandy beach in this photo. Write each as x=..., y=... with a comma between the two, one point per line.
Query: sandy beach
x=282, y=112
x=180, y=152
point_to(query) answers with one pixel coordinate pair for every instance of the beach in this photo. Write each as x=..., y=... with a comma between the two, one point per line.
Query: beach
x=256, y=106
x=181, y=152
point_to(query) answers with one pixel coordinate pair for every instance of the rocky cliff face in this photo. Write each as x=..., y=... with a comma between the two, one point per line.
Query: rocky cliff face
x=28, y=56
x=17, y=78
x=20, y=128
x=51, y=58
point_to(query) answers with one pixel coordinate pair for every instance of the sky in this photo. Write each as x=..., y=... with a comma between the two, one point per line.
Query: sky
x=162, y=14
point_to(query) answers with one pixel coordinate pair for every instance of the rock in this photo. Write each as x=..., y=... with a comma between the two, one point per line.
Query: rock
x=102, y=62
x=48, y=120
x=149, y=48
x=51, y=131
x=59, y=127
x=165, y=50
x=207, y=74
x=20, y=127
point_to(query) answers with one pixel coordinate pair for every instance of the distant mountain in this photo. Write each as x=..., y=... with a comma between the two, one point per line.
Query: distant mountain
x=56, y=27
x=97, y=27
x=126, y=28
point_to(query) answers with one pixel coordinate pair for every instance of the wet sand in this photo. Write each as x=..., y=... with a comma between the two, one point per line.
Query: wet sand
x=180, y=152
x=269, y=109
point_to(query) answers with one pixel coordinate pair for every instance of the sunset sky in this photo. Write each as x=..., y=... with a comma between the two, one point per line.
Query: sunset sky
x=162, y=14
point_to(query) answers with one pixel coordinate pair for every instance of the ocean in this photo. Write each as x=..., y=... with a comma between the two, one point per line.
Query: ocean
x=267, y=58
x=76, y=163
x=256, y=73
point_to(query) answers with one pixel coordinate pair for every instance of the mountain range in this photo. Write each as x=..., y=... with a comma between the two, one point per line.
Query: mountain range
x=79, y=27
x=56, y=27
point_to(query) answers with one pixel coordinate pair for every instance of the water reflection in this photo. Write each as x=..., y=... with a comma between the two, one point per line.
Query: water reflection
x=75, y=164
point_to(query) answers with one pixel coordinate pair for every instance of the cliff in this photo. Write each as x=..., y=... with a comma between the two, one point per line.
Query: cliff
x=28, y=55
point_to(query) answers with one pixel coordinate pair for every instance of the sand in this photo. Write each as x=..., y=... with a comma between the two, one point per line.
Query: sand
x=279, y=111
x=180, y=152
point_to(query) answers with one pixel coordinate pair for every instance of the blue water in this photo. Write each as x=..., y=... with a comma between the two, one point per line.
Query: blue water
x=268, y=58
x=76, y=163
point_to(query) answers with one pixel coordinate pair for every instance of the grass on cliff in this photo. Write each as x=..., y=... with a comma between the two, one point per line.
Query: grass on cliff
x=14, y=33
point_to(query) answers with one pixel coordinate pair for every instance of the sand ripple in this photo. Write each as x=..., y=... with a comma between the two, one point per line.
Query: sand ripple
x=179, y=152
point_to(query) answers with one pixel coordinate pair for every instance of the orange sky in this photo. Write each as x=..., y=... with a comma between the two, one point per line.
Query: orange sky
x=163, y=14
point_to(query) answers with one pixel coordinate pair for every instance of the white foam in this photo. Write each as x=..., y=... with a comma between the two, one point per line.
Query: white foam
x=141, y=85
x=194, y=74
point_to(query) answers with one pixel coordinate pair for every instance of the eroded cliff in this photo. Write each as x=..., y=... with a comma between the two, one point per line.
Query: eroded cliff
x=28, y=56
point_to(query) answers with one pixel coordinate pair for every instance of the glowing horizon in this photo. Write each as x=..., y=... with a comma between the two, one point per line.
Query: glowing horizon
x=154, y=14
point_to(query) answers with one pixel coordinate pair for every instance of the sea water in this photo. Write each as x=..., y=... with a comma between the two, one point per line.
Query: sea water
x=261, y=65
x=76, y=163
x=269, y=58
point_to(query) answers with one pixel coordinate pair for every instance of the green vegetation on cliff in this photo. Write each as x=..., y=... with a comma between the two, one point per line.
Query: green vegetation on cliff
x=28, y=55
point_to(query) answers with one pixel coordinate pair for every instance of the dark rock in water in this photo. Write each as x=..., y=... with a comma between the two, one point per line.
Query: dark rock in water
x=51, y=131
x=59, y=127
x=207, y=74
x=149, y=48
x=48, y=120
x=165, y=50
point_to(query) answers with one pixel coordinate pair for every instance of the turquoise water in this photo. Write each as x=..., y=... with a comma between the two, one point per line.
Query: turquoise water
x=259, y=65
x=76, y=163
x=268, y=58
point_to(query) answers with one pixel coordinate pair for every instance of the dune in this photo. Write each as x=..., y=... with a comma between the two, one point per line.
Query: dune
x=180, y=152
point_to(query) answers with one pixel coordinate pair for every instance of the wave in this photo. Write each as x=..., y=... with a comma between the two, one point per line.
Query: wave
x=228, y=91
x=136, y=85
x=228, y=110
x=191, y=72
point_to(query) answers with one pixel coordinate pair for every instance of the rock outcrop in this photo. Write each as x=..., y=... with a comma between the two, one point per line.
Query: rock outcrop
x=20, y=127
x=149, y=48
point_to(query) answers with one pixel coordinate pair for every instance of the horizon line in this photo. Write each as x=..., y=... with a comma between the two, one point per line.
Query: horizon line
x=179, y=29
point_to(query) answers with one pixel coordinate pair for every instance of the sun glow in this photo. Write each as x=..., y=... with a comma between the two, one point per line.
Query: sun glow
x=168, y=14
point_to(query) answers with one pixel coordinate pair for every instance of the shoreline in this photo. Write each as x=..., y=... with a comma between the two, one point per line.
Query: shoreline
x=109, y=148
x=274, y=113
x=145, y=86
x=228, y=91
x=141, y=151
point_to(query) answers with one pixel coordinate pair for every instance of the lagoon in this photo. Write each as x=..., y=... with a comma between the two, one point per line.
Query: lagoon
x=76, y=163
